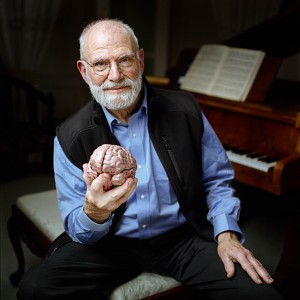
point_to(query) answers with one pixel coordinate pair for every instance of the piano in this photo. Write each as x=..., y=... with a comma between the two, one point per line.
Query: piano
x=261, y=135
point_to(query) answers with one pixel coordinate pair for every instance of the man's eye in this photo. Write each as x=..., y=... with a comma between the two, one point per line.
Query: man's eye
x=126, y=61
x=101, y=64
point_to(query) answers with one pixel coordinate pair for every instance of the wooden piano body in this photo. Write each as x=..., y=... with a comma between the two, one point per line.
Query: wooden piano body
x=257, y=128
x=268, y=122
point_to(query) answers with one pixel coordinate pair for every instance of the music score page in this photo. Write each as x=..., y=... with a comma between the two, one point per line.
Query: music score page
x=223, y=71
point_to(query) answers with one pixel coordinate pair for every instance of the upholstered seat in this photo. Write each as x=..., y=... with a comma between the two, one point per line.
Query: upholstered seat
x=42, y=210
x=36, y=220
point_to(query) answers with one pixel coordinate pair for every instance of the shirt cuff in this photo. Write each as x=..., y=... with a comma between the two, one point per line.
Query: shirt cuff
x=91, y=225
x=225, y=222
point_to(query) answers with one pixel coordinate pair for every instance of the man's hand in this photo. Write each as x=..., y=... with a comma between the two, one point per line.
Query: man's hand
x=231, y=250
x=99, y=204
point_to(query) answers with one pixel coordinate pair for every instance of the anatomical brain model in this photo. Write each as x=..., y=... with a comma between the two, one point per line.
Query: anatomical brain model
x=113, y=160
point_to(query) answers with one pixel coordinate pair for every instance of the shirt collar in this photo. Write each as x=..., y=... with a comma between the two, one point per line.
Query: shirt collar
x=110, y=118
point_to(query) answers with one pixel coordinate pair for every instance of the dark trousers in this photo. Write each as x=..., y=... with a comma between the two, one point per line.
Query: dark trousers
x=75, y=271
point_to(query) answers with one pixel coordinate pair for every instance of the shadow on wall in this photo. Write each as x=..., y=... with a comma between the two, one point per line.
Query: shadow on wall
x=26, y=129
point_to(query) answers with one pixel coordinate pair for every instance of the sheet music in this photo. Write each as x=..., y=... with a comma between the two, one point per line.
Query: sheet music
x=221, y=71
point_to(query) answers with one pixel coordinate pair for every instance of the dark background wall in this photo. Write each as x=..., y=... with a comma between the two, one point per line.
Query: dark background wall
x=164, y=28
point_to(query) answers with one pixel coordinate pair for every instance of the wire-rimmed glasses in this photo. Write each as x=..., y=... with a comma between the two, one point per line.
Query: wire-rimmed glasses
x=102, y=67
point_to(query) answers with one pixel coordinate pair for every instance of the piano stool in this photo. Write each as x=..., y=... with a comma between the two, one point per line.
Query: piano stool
x=36, y=221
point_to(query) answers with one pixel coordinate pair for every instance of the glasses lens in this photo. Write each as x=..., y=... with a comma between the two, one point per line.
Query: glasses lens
x=124, y=63
x=101, y=67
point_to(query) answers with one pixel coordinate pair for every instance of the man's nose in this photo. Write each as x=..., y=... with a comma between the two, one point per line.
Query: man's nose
x=114, y=73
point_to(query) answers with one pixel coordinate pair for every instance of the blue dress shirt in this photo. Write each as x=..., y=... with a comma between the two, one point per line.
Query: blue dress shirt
x=153, y=207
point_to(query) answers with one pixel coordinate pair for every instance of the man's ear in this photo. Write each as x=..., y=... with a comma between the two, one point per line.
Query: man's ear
x=82, y=69
x=141, y=59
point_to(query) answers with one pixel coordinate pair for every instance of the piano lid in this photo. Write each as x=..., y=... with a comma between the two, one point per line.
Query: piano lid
x=276, y=36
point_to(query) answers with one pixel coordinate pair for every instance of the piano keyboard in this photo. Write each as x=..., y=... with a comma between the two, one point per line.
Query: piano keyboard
x=251, y=160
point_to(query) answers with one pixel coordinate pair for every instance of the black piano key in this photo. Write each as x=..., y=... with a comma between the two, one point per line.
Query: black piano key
x=254, y=155
x=268, y=159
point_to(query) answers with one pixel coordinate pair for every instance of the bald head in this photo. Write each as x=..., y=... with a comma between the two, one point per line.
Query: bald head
x=107, y=31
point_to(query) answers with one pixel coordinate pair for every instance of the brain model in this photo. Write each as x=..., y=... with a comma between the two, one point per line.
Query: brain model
x=114, y=160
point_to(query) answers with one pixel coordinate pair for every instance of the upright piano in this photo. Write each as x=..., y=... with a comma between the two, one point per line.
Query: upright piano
x=262, y=134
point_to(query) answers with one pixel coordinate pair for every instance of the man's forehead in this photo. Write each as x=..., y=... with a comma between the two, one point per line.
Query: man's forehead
x=107, y=38
x=108, y=31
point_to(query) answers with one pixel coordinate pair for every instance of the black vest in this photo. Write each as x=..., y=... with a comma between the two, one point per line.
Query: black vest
x=175, y=127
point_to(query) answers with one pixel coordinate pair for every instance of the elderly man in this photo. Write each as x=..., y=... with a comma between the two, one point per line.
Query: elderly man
x=178, y=217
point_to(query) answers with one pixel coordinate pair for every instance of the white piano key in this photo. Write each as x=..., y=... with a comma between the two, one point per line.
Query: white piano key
x=250, y=162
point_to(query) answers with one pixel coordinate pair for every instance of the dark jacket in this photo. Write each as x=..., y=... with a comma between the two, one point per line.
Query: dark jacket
x=175, y=127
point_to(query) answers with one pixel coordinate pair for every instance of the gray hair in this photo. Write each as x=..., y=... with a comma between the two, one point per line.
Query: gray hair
x=93, y=23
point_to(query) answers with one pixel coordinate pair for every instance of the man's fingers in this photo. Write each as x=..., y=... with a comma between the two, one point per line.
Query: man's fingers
x=252, y=273
x=259, y=269
x=123, y=191
x=229, y=267
x=100, y=182
x=86, y=178
x=231, y=251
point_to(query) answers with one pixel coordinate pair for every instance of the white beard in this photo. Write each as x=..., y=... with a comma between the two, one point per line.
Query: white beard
x=116, y=101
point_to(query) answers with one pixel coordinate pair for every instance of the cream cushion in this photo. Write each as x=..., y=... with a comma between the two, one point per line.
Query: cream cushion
x=42, y=210
x=145, y=285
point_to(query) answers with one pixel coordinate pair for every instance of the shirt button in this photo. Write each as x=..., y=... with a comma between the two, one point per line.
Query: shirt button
x=144, y=226
x=134, y=135
x=139, y=166
x=142, y=196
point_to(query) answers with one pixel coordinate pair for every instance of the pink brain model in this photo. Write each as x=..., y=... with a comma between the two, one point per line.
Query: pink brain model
x=114, y=160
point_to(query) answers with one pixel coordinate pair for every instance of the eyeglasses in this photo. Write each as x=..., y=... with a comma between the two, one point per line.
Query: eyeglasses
x=102, y=67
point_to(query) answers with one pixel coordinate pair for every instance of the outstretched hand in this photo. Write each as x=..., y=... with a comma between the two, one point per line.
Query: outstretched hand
x=99, y=203
x=231, y=251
